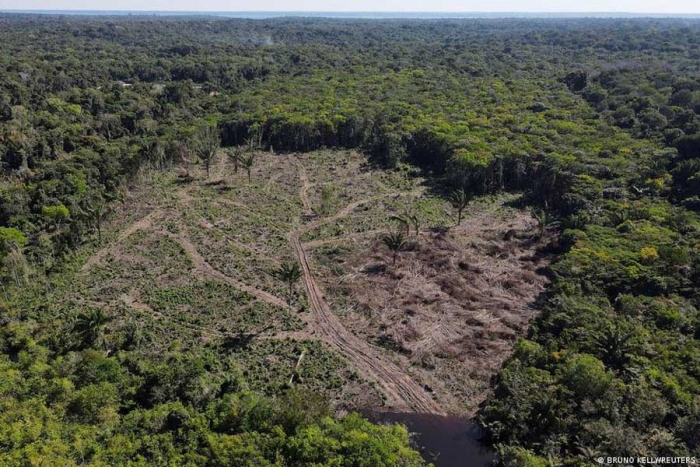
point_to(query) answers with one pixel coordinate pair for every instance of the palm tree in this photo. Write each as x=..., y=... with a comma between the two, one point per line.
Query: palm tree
x=460, y=199
x=134, y=336
x=542, y=219
x=289, y=273
x=406, y=221
x=89, y=328
x=206, y=144
x=403, y=222
x=395, y=242
x=247, y=162
x=234, y=154
x=619, y=216
x=415, y=222
x=617, y=347
x=97, y=212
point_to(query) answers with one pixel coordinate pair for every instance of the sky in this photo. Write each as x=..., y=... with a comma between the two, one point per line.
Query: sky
x=628, y=6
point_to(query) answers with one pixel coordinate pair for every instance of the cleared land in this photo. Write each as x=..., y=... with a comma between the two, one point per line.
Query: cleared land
x=192, y=262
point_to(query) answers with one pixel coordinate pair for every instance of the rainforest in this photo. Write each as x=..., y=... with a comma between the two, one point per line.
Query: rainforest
x=225, y=242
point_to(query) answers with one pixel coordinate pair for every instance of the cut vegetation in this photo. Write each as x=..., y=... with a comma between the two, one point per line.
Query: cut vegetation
x=216, y=260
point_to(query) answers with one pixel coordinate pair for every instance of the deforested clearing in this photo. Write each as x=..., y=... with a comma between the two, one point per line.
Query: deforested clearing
x=193, y=263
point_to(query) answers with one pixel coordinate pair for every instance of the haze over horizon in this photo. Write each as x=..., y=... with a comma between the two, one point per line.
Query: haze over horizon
x=365, y=6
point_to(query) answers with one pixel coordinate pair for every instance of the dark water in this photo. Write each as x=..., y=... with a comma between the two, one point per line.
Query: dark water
x=443, y=440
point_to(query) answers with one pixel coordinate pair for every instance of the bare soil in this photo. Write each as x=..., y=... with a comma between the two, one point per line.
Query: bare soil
x=448, y=312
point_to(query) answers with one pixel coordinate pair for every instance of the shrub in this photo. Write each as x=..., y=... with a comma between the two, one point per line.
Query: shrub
x=11, y=238
x=57, y=214
x=648, y=255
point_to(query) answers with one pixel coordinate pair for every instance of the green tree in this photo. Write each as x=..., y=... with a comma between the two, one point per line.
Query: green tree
x=586, y=376
x=234, y=155
x=11, y=238
x=395, y=242
x=89, y=328
x=96, y=212
x=206, y=144
x=247, y=161
x=386, y=147
x=289, y=273
x=56, y=214
x=617, y=347
x=460, y=200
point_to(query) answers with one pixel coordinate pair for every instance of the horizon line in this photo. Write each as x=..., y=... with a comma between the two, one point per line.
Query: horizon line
x=433, y=12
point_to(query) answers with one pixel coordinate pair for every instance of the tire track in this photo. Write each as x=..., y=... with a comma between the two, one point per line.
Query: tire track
x=203, y=266
x=305, y=185
x=401, y=391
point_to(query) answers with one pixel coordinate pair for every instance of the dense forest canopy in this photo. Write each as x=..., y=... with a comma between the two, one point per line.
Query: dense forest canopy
x=596, y=122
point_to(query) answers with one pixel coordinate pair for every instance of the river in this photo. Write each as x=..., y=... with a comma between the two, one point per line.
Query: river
x=446, y=441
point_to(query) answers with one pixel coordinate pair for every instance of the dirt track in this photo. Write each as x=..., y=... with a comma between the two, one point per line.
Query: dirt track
x=402, y=392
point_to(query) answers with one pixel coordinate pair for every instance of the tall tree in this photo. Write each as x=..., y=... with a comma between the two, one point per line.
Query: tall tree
x=96, y=212
x=289, y=273
x=234, y=155
x=206, y=144
x=460, y=200
x=247, y=161
x=89, y=327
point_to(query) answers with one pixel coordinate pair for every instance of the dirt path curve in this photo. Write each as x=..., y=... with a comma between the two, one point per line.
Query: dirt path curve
x=402, y=392
x=305, y=185
x=200, y=263
x=203, y=266
x=271, y=181
x=143, y=223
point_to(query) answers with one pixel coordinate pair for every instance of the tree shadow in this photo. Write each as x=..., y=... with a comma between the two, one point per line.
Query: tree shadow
x=374, y=269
